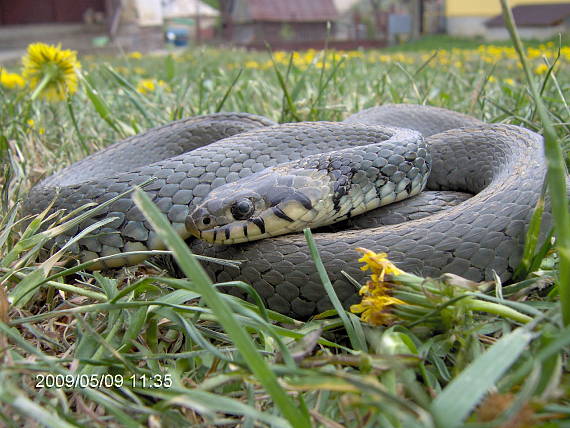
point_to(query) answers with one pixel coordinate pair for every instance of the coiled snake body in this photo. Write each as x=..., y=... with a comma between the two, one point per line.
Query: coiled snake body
x=502, y=166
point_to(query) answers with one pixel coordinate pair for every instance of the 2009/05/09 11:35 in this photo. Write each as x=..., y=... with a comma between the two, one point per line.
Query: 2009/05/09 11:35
x=60, y=381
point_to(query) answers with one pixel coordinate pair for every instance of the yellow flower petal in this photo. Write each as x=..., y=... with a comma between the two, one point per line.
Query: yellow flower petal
x=378, y=263
x=51, y=71
x=376, y=309
x=541, y=69
x=146, y=86
x=376, y=298
x=11, y=80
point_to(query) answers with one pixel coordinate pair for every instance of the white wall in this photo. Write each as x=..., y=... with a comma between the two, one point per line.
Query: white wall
x=466, y=26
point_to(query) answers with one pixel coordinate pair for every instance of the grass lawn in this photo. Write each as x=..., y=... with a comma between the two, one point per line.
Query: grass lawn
x=135, y=347
x=443, y=41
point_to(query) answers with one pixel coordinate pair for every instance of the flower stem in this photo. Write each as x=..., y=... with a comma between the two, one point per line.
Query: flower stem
x=497, y=309
x=42, y=85
x=75, y=124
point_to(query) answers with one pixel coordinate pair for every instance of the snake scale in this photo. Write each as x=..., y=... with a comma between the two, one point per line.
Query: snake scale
x=499, y=170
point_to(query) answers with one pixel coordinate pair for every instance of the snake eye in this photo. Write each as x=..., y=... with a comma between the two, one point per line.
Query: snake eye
x=206, y=221
x=242, y=209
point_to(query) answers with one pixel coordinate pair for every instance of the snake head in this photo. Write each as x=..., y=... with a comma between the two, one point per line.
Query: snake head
x=272, y=202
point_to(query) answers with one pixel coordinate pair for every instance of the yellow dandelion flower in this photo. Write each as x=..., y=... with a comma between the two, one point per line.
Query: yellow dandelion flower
x=378, y=263
x=409, y=298
x=321, y=64
x=163, y=84
x=376, y=295
x=51, y=72
x=492, y=79
x=355, y=54
x=309, y=55
x=541, y=69
x=533, y=53
x=509, y=81
x=139, y=70
x=11, y=80
x=32, y=125
x=376, y=309
x=146, y=86
x=135, y=55
x=252, y=64
x=281, y=56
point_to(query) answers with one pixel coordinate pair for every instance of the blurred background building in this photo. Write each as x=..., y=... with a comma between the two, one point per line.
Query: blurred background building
x=145, y=25
x=261, y=21
x=535, y=18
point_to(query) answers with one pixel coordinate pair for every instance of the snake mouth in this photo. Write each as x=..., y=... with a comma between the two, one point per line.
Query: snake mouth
x=192, y=229
x=226, y=234
x=229, y=233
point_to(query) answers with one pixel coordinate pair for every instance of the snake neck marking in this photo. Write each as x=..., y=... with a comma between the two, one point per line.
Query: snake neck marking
x=316, y=191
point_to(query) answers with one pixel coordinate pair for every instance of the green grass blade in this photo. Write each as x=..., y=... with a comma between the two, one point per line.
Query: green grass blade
x=21, y=294
x=353, y=334
x=13, y=396
x=553, y=344
x=207, y=403
x=50, y=364
x=228, y=91
x=556, y=175
x=104, y=110
x=62, y=286
x=531, y=241
x=461, y=396
x=286, y=93
x=80, y=135
x=192, y=269
x=133, y=94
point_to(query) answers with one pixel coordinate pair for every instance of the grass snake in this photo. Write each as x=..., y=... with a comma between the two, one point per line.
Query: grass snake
x=497, y=169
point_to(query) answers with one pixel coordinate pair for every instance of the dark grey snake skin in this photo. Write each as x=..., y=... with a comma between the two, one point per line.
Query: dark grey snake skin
x=501, y=165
